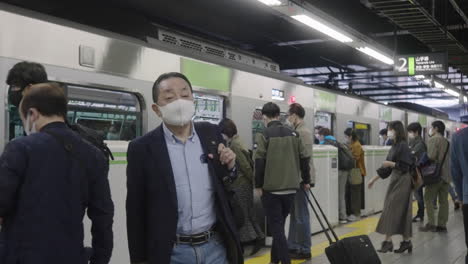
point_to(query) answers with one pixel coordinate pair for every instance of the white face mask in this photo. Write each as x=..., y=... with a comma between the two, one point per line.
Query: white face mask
x=411, y=135
x=431, y=132
x=178, y=113
x=390, y=134
x=29, y=129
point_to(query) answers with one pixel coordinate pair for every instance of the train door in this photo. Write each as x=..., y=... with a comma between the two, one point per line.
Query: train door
x=208, y=107
x=363, y=131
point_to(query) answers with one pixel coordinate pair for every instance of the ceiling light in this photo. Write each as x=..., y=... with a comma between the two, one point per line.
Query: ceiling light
x=322, y=28
x=439, y=85
x=271, y=2
x=452, y=92
x=466, y=99
x=377, y=55
x=419, y=77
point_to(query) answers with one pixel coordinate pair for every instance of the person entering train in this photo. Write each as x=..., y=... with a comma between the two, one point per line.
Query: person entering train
x=299, y=239
x=459, y=169
x=281, y=169
x=397, y=212
x=418, y=148
x=326, y=138
x=438, y=151
x=250, y=233
x=177, y=207
x=48, y=180
x=356, y=190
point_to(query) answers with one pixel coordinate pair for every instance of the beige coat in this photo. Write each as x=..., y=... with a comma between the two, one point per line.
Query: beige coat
x=308, y=141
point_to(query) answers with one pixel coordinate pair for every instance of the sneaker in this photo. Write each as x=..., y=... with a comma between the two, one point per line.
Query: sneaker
x=353, y=218
x=457, y=205
x=441, y=229
x=343, y=221
x=417, y=219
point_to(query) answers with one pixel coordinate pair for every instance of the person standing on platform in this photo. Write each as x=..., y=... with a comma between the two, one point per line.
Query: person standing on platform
x=177, y=206
x=418, y=148
x=250, y=233
x=300, y=240
x=355, y=190
x=397, y=212
x=386, y=141
x=459, y=169
x=281, y=167
x=438, y=151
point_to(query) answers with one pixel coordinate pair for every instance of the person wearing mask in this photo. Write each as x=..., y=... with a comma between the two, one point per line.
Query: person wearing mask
x=459, y=169
x=49, y=179
x=22, y=75
x=418, y=148
x=397, y=212
x=355, y=190
x=281, y=169
x=326, y=138
x=177, y=206
x=299, y=239
x=250, y=232
x=438, y=151
x=316, y=138
x=386, y=141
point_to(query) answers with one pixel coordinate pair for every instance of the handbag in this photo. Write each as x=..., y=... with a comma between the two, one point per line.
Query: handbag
x=384, y=172
x=431, y=171
x=355, y=176
x=416, y=178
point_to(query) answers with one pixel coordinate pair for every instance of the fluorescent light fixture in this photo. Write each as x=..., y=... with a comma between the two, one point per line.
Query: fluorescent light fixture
x=322, y=28
x=439, y=85
x=377, y=55
x=452, y=92
x=271, y=2
x=466, y=99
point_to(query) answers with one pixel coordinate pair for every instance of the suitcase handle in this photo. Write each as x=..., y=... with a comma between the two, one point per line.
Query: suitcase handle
x=325, y=230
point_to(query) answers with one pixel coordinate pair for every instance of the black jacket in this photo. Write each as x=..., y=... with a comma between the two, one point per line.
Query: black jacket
x=44, y=193
x=152, y=211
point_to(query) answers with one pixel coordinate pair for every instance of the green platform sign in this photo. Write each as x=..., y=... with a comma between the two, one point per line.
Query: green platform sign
x=421, y=64
x=205, y=75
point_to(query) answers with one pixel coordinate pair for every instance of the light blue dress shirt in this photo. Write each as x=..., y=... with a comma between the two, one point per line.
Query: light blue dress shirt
x=195, y=193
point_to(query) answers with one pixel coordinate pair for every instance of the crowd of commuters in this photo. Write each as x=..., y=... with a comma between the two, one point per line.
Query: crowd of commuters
x=195, y=174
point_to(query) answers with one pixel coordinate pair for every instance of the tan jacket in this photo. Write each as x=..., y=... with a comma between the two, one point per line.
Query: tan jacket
x=308, y=141
x=358, y=154
x=436, y=147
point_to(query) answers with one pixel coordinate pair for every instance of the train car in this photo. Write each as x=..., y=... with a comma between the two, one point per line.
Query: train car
x=108, y=79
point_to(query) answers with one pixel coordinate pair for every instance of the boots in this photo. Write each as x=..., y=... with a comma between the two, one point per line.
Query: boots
x=405, y=245
x=387, y=246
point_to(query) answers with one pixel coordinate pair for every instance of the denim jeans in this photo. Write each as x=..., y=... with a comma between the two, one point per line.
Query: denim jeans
x=418, y=194
x=452, y=193
x=211, y=252
x=299, y=229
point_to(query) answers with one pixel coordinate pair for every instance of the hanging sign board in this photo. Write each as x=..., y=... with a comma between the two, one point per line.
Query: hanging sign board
x=421, y=64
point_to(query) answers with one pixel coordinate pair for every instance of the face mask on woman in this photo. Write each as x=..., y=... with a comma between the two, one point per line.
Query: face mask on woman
x=411, y=135
x=391, y=134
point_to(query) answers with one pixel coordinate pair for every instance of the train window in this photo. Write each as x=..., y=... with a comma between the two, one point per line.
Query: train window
x=324, y=119
x=209, y=108
x=362, y=131
x=115, y=114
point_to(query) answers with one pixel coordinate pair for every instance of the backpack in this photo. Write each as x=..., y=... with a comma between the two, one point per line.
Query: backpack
x=94, y=138
x=345, y=156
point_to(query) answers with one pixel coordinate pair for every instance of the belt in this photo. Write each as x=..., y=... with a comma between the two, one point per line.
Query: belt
x=195, y=239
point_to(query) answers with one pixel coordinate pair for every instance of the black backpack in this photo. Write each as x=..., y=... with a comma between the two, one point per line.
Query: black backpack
x=345, y=156
x=94, y=138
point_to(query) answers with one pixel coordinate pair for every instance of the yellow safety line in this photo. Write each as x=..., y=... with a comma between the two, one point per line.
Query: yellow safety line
x=362, y=227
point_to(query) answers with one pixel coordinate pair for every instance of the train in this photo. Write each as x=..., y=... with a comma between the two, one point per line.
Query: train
x=108, y=79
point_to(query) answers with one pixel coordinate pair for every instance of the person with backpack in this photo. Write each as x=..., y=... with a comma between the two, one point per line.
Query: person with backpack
x=356, y=190
x=397, y=211
x=438, y=152
x=418, y=148
x=250, y=233
x=299, y=239
x=345, y=164
x=49, y=179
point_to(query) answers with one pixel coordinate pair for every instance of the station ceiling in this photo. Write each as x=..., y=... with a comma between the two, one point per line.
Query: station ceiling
x=299, y=50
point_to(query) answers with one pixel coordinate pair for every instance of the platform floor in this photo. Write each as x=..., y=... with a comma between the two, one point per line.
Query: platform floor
x=428, y=248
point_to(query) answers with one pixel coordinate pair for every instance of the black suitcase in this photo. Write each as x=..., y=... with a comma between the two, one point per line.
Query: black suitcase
x=350, y=250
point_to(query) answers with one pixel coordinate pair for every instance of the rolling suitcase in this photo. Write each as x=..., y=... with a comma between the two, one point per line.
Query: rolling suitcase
x=350, y=250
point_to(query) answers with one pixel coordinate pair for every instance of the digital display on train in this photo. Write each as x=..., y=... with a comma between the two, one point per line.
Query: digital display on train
x=209, y=108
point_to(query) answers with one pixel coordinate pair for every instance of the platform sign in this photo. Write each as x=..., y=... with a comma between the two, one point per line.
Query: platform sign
x=421, y=64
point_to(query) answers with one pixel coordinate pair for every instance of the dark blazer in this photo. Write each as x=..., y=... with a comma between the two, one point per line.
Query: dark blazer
x=44, y=193
x=152, y=211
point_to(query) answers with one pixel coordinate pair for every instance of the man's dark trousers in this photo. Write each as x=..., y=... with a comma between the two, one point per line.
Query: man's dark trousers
x=277, y=208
